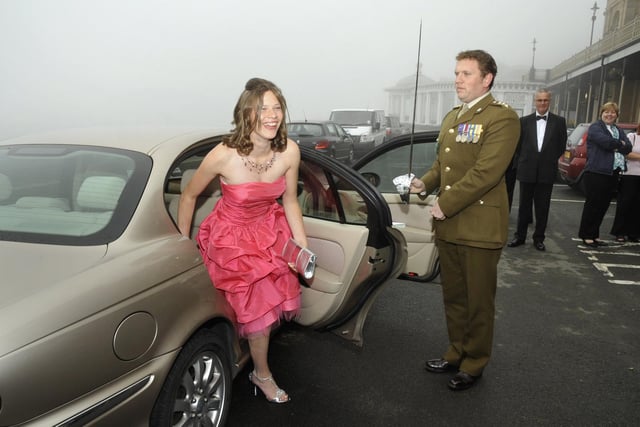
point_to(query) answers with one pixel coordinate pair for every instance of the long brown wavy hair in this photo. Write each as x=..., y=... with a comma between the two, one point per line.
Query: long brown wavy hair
x=246, y=117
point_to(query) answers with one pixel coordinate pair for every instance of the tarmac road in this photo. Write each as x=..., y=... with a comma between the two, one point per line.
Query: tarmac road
x=566, y=348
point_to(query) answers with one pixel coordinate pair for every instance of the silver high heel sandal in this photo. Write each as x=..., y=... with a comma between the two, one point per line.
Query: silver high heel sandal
x=281, y=395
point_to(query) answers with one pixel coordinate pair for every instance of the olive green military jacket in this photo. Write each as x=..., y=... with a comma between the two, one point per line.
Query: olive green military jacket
x=473, y=154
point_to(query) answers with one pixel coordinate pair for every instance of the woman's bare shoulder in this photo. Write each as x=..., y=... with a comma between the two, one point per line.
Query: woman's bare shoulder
x=216, y=160
x=292, y=148
x=220, y=153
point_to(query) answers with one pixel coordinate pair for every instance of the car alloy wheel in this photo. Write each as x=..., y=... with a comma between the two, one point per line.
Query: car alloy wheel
x=197, y=390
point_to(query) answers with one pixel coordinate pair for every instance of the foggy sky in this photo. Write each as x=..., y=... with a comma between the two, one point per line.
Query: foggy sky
x=75, y=63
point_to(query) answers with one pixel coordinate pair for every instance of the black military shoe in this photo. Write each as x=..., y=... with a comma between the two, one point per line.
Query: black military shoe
x=515, y=242
x=462, y=381
x=439, y=366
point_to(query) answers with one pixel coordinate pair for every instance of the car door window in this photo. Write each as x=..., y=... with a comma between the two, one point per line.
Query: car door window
x=393, y=163
x=321, y=195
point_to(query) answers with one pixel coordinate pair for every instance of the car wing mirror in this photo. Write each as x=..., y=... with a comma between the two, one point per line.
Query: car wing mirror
x=372, y=177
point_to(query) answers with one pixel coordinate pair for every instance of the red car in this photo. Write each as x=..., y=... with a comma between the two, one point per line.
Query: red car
x=571, y=163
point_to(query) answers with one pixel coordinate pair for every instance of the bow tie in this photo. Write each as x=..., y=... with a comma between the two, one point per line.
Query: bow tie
x=541, y=117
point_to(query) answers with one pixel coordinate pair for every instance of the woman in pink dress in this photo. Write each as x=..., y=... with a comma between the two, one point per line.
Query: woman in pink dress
x=241, y=241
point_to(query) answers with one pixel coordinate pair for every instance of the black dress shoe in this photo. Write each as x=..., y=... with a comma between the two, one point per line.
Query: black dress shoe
x=539, y=246
x=439, y=366
x=462, y=381
x=591, y=244
x=515, y=242
x=601, y=243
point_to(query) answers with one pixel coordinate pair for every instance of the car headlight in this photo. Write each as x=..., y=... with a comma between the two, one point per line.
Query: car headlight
x=366, y=138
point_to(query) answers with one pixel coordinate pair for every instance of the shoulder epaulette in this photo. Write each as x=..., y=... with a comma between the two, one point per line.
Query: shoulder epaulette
x=500, y=104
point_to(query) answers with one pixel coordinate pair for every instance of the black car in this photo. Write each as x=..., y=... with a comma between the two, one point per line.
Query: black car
x=325, y=137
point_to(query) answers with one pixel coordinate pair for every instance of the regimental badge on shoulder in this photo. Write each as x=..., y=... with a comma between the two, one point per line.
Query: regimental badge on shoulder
x=469, y=133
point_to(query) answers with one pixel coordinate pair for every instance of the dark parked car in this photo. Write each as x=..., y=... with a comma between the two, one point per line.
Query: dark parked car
x=392, y=127
x=571, y=163
x=325, y=137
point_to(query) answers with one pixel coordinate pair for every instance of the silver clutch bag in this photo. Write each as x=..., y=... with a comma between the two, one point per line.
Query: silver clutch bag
x=300, y=259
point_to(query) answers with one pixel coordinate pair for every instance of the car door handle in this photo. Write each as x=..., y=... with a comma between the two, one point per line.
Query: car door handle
x=376, y=260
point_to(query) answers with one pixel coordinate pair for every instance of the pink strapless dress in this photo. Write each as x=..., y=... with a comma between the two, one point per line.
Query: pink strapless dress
x=241, y=242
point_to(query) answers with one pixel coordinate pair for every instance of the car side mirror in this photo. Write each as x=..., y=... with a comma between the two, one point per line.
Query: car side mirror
x=372, y=177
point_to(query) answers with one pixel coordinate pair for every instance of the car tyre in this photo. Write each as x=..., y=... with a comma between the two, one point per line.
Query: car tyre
x=197, y=390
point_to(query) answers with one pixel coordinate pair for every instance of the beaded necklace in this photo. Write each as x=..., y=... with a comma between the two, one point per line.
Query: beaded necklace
x=258, y=167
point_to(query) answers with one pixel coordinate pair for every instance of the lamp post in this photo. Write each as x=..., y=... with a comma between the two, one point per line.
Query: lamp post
x=593, y=20
x=533, y=57
x=532, y=71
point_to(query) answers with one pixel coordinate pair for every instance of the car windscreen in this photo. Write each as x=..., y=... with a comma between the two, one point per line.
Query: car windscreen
x=68, y=194
x=352, y=118
x=574, y=138
x=305, y=129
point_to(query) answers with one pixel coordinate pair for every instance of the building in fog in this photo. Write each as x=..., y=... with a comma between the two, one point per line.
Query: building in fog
x=606, y=70
x=435, y=99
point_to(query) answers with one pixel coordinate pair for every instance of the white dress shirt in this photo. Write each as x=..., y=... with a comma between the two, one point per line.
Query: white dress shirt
x=541, y=126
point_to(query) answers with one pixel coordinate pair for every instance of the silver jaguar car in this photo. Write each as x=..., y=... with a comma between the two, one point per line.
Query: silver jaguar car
x=108, y=317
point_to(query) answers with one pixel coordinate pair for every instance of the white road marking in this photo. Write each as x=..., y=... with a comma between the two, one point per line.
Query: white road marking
x=605, y=268
x=624, y=282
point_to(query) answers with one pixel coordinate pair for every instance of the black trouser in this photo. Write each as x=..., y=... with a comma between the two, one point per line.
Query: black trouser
x=510, y=180
x=598, y=191
x=627, y=220
x=536, y=195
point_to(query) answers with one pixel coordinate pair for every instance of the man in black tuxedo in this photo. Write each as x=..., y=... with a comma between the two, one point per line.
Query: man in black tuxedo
x=543, y=138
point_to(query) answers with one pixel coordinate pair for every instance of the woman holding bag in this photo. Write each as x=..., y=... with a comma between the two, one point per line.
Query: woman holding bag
x=242, y=239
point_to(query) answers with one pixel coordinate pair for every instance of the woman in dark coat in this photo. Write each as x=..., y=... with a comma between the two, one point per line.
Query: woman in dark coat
x=626, y=224
x=606, y=146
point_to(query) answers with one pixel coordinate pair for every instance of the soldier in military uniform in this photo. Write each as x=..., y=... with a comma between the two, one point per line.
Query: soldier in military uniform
x=476, y=144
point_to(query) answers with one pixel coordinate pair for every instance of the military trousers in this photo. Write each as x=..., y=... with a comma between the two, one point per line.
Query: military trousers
x=469, y=277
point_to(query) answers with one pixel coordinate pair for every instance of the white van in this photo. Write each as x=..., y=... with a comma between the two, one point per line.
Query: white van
x=363, y=124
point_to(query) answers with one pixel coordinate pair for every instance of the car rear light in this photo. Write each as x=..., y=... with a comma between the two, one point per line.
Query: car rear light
x=388, y=131
x=322, y=145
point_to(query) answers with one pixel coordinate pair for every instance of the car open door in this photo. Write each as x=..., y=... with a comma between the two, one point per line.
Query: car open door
x=413, y=219
x=349, y=228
